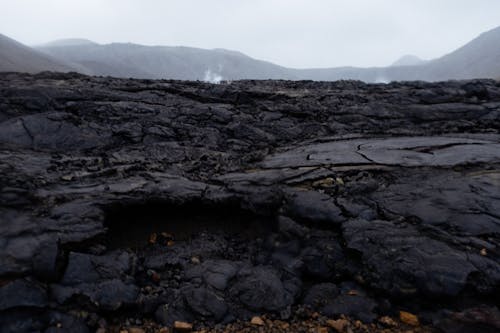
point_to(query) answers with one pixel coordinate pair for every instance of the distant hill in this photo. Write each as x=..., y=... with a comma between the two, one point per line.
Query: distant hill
x=16, y=57
x=479, y=58
x=185, y=63
x=409, y=60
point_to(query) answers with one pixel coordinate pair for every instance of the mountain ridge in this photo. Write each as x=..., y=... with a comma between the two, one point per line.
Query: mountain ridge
x=480, y=58
x=17, y=57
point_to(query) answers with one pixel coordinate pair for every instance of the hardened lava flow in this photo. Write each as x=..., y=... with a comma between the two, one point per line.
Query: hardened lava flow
x=141, y=205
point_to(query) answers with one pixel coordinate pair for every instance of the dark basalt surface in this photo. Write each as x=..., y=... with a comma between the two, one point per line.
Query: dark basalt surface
x=210, y=203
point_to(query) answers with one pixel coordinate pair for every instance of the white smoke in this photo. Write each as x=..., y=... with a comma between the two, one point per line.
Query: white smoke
x=212, y=77
x=382, y=79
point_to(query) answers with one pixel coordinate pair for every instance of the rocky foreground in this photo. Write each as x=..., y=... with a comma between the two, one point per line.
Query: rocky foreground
x=248, y=206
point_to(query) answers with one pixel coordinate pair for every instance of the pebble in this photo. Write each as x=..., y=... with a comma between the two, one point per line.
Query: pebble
x=195, y=260
x=408, y=318
x=388, y=321
x=338, y=324
x=257, y=321
x=182, y=326
x=135, y=330
x=152, y=238
x=327, y=182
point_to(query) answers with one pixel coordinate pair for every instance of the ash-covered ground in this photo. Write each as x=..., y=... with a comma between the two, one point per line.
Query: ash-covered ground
x=126, y=201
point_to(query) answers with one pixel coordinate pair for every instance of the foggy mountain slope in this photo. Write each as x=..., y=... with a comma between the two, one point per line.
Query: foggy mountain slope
x=16, y=57
x=479, y=58
x=185, y=63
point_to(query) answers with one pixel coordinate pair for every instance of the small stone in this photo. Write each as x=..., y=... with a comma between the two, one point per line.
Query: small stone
x=339, y=181
x=326, y=182
x=82, y=314
x=67, y=178
x=195, y=260
x=163, y=330
x=257, y=321
x=483, y=252
x=136, y=330
x=387, y=321
x=338, y=324
x=155, y=277
x=408, y=318
x=170, y=243
x=322, y=329
x=153, y=237
x=284, y=326
x=182, y=326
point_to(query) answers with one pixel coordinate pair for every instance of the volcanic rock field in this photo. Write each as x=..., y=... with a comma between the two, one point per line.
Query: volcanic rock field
x=186, y=201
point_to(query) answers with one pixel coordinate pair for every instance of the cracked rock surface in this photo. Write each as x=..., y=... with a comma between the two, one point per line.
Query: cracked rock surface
x=187, y=201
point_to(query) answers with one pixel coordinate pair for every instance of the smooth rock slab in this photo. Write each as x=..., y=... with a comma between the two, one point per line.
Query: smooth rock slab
x=460, y=203
x=313, y=207
x=402, y=151
x=107, y=295
x=84, y=268
x=402, y=261
x=102, y=279
x=205, y=302
x=48, y=131
x=22, y=293
x=260, y=289
x=215, y=273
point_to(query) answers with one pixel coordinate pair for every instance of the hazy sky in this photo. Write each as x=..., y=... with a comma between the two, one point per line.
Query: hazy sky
x=295, y=33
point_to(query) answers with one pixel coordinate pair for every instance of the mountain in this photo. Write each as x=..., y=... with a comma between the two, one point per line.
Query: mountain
x=479, y=58
x=16, y=57
x=408, y=60
x=157, y=62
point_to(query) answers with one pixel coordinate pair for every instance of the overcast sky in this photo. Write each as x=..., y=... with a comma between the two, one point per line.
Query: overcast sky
x=294, y=33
